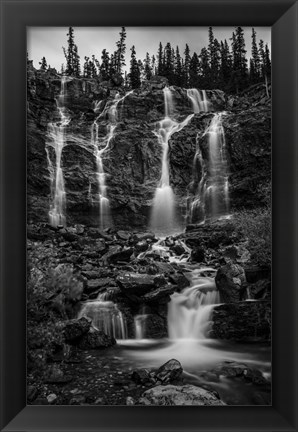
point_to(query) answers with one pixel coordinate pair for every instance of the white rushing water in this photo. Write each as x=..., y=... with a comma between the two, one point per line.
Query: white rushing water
x=198, y=100
x=105, y=317
x=189, y=312
x=211, y=198
x=56, y=139
x=163, y=217
x=101, y=145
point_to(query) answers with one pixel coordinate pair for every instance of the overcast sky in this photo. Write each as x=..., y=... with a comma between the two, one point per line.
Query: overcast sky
x=48, y=41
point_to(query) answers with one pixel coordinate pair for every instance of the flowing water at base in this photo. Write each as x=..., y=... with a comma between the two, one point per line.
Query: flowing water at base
x=189, y=342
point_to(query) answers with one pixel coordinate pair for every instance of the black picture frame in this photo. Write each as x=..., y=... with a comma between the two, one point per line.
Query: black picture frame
x=16, y=15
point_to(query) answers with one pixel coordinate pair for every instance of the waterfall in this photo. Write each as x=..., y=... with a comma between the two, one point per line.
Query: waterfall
x=211, y=197
x=105, y=317
x=101, y=146
x=198, y=100
x=57, y=140
x=140, y=323
x=163, y=219
x=189, y=312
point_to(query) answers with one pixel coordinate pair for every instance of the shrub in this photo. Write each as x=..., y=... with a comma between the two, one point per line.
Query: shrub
x=52, y=292
x=256, y=226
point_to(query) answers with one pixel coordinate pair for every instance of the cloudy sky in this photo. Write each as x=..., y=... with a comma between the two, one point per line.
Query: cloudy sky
x=48, y=41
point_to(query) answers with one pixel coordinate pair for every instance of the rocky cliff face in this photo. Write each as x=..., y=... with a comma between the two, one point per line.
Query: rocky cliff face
x=132, y=162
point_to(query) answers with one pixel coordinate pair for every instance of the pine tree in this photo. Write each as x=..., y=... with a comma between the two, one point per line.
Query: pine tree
x=87, y=69
x=147, y=67
x=204, y=78
x=93, y=67
x=160, y=57
x=265, y=63
x=214, y=56
x=194, y=71
x=186, y=66
x=153, y=65
x=120, y=53
x=112, y=65
x=254, y=70
x=76, y=62
x=70, y=52
x=240, y=71
x=168, y=63
x=105, y=66
x=43, y=64
x=178, y=69
x=135, y=74
x=225, y=66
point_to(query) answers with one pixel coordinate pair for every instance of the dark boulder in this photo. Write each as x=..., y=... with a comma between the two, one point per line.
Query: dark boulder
x=139, y=284
x=229, y=280
x=243, y=321
x=98, y=284
x=142, y=376
x=169, y=372
x=76, y=328
x=197, y=254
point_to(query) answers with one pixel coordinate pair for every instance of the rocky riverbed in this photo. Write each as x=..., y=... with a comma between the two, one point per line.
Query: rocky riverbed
x=69, y=267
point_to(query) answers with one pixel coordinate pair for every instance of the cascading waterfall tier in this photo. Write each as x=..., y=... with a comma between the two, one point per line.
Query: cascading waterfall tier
x=198, y=100
x=105, y=317
x=163, y=218
x=101, y=146
x=56, y=139
x=189, y=312
x=210, y=197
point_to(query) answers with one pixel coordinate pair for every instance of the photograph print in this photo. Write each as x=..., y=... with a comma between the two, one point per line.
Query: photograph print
x=149, y=216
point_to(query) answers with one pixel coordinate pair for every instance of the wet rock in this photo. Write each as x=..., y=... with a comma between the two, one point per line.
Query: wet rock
x=69, y=236
x=254, y=273
x=130, y=401
x=242, y=321
x=92, y=274
x=229, y=280
x=142, y=376
x=117, y=255
x=155, y=327
x=241, y=370
x=76, y=328
x=98, y=284
x=260, y=290
x=180, y=280
x=144, y=236
x=159, y=293
x=52, y=398
x=123, y=235
x=178, y=249
x=55, y=375
x=197, y=254
x=77, y=400
x=32, y=393
x=138, y=284
x=179, y=395
x=141, y=246
x=169, y=372
x=96, y=340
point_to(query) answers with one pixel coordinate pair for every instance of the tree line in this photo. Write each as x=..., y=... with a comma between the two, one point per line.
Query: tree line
x=220, y=65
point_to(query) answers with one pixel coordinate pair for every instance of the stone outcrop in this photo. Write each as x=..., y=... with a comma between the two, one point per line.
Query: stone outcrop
x=179, y=395
x=243, y=321
x=133, y=162
x=230, y=281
